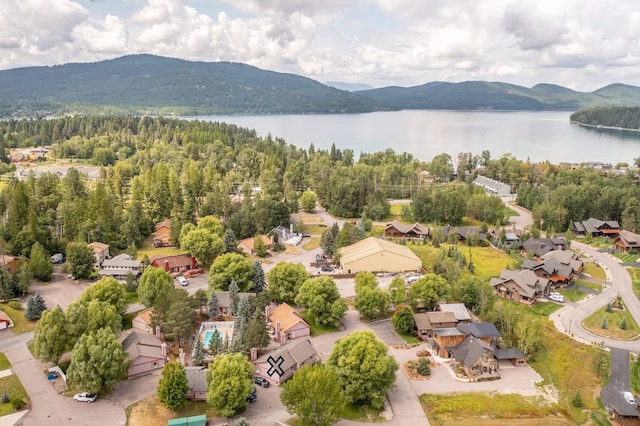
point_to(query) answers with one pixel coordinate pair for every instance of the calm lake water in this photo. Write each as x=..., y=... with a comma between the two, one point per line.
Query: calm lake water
x=538, y=136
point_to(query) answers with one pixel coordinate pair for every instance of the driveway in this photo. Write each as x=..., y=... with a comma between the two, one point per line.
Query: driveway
x=611, y=395
x=524, y=219
x=385, y=332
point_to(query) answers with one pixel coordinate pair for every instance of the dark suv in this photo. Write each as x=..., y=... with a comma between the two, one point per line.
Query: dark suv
x=262, y=382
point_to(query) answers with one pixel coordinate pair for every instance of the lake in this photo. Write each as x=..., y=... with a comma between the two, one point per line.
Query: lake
x=538, y=136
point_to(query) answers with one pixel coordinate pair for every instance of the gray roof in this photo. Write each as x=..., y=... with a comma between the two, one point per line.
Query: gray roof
x=138, y=343
x=593, y=225
x=449, y=331
x=489, y=184
x=459, y=310
x=224, y=301
x=422, y=321
x=629, y=239
x=557, y=262
x=292, y=354
x=407, y=228
x=525, y=279
x=470, y=349
x=121, y=261
x=479, y=329
x=541, y=246
x=197, y=378
x=508, y=353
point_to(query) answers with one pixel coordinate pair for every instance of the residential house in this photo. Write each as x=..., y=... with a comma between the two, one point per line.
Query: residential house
x=459, y=310
x=485, y=331
x=493, y=186
x=426, y=322
x=596, y=227
x=463, y=234
x=515, y=356
x=100, y=252
x=520, y=285
x=176, y=264
x=278, y=366
x=560, y=267
x=5, y=321
x=120, y=266
x=146, y=352
x=541, y=246
x=627, y=241
x=416, y=231
x=445, y=340
x=247, y=245
x=224, y=302
x=287, y=323
x=197, y=379
x=9, y=263
x=511, y=238
x=162, y=236
x=285, y=235
x=476, y=357
x=142, y=321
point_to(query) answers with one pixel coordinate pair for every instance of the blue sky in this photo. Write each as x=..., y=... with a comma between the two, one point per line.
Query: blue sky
x=581, y=44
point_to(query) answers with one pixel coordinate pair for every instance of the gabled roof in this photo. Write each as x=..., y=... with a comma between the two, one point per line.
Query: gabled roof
x=629, y=239
x=292, y=354
x=4, y=317
x=98, y=247
x=541, y=246
x=527, y=280
x=163, y=224
x=138, y=344
x=287, y=316
x=145, y=316
x=121, y=261
x=593, y=225
x=372, y=245
x=449, y=331
x=175, y=261
x=250, y=242
x=470, y=349
x=508, y=353
x=437, y=317
x=406, y=228
x=464, y=232
x=422, y=321
x=224, y=300
x=5, y=259
x=479, y=329
x=197, y=378
x=459, y=310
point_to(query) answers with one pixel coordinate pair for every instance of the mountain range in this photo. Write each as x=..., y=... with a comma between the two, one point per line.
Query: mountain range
x=148, y=84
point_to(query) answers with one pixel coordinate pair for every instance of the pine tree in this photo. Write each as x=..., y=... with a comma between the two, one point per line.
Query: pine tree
x=256, y=334
x=212, y=304
x=604, y=323
x=229, y=241
x=35, y=307
x=234, y=299
x=259, y=281
x=198, y=352
x=241, y=318
x=215, y=344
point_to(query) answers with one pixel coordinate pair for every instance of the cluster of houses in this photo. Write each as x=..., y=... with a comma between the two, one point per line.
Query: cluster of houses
x=473, y=346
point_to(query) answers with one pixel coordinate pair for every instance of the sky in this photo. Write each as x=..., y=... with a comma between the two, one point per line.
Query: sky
x=580, y=44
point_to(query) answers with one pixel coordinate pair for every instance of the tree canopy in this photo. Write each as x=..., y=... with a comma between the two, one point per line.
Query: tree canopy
x=323, y=302
x=173, y=387
x=229, y=382
x=284, y=281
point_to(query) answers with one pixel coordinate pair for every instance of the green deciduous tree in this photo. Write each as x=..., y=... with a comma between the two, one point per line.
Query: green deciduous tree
x=323, y=302
x=308, y=201
x=363, y=367
x=80, y=259
x=475, y=293
x=97, y=361
x=365, y=279
x=50, y=336
x=427, y=291
x=107, y=290
x=373, y=302
x=402, y=319
x=231, y=267
x=174, y=386
x=153, y=283
x=203, y=244
x=314, y=394
x=229, y=382
x=398, y=291
x=40, y=263
x=284, y=281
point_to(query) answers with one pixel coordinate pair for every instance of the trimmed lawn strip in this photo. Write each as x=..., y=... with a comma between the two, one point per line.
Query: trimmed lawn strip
x=409, y=338
x=465, y=408
x=314, y=229
x=589, y=284
x=573, y=295
x=4, y=362
x=20, y=323
x=313, y=243
x=626, y=257
x=149, y=412
x=544, y=309
x=635, y=376
x=14, y=389
x=594, y=270
x=635, y=280
x=593, y=323
x=316, y=329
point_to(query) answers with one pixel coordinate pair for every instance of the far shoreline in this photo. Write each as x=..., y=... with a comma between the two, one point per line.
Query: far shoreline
x=599, y=126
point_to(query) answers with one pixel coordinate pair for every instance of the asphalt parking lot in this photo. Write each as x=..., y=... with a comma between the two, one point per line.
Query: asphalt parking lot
x=384, y=331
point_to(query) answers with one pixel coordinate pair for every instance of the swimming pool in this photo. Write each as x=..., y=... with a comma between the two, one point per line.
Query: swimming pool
x=208, y=336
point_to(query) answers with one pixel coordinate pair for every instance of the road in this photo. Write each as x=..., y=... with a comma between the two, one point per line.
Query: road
x=612, y=394
x=524, y=219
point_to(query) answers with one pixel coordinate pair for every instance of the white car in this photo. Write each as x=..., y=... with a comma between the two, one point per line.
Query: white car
x=85, y=397
x=628, y=396
x=183, y=281
x=556, y=297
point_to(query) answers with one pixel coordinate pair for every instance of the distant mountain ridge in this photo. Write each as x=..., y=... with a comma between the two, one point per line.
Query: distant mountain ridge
x=148, y=84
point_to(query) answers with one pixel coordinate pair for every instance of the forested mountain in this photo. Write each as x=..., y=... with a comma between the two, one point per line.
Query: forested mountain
x=619, y=117
x=471, y=95
x=154, y=85
x=147, y=84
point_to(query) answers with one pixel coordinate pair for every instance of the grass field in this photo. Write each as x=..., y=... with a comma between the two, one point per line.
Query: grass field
x=544, y=309
x=313, y=229
x=635, y=279
x=14, y=389
x=20, y=323
x=626, y=257
x=409, y=338
x=316, y=329
x=313, y=243
x=589, y=284
x=635, y=376
x=4, y=362
x=148, y=249
x=573, y=295
x=149, y=412
x=593, y=323
x=594, y=270
x=473, y=407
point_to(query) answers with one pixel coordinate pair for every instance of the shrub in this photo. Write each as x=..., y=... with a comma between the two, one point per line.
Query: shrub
x=576, y=401
x=609, y=309
x=17, y=403
x=604, y=323
x=5, y=397
x=424, y=367
x=14, y=304
x=623, y=324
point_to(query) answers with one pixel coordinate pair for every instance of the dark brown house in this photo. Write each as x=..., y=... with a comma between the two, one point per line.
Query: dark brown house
x=415, y=231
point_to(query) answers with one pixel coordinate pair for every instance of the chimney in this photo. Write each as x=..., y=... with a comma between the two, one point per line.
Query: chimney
x=277, y=335
x=163, y=348
x=166, y=266
x=291, y=228
x=193, y=263
x=182, y=357
x=158, y=331
x=253, y=354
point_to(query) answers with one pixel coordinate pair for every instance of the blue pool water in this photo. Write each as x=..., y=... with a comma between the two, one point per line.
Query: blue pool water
x=208, y=336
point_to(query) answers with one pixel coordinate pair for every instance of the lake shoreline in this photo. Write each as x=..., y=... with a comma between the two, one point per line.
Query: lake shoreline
x=599, y=126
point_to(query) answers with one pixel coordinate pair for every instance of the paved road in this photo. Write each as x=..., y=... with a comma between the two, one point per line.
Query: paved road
x=524, y=219
x=611, y=395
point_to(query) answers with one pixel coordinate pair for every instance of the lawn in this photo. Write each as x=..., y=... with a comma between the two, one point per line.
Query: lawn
x=149, y=412
x=594, y=270
x=635, y=376
x=593, y=323
x=148, y=249
x=626, y=257
x=4, y=362
x=316, y=329
x=635, y=278
x=313, y=243
x=589, y=284
x=314, y=229
x=573, y=295
x=356, y=413
x=473, y=408
x=409, y=338
x=20, y=323
x=544, y=309
x=15, y=390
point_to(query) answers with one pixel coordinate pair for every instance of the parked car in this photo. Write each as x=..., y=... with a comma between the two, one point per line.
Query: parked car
x=57, y=258
x=262, y=382
x=412, y=279
x=628, y=396
x=327, y=268
x=305, y=235
x=321, y=258
x=252, y=397
x=85, y=397
x=183, y=281
x=556, y=297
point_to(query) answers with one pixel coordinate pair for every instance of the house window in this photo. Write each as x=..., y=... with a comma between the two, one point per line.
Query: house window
x=154, y=365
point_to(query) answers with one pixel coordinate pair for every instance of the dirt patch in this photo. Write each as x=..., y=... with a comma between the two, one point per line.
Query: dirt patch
x=411, y=372
x=309, y=218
